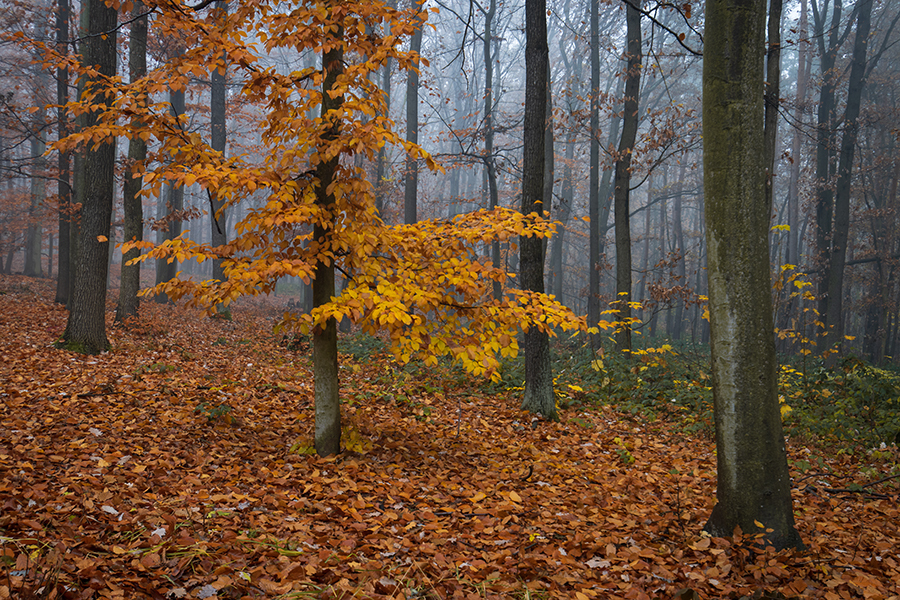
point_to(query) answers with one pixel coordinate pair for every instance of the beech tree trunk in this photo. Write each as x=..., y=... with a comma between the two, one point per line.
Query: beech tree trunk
x=597, y=228
x=165, y=270
x=86, y=327
x=325, y=357
x=630, y=121
x=217, y=118
x=64, y=187
x=34, y=236
x=133, y=220
x=538, y=396
x=834, y=334
x=411, y=186
x=753, y=480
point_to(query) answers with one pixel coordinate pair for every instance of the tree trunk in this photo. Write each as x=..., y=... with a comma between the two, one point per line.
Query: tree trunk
x=86, y=326
x=825, y=136
x=133, y=220
x=34, y=237
x=64, y=188
x=840, y=235
x=773, y=93
x=596, y=227
x=325, y=358
x=630, y=122
x=167, y=269
x=753, y=479
x=217, y=117
x=538, y=396
x=411, y=183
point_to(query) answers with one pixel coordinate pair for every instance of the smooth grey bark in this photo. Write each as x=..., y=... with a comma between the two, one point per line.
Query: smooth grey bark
x=411, y=180
x=753, y=480
x=677, y=329
x=325, y=357
x=133, y=219
x=63, y=178
x=538, y=397
x=834, y=334
x=794, y=240
x=381, y=161
x=165, y=270
x=217, y=118
x=34, y=235
x=86, y=326
x=593, y=312
x=630, y=121
x=490, y=168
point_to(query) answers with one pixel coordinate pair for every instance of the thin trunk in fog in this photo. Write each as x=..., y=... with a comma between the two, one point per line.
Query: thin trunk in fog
x=773, y=93
x=840, y=234
x=218, y=134
x=133, y=221
x=34, y=235
x=411, y=181
x=64, y=189
x=538, y=396
x=793, y=250
x=596, y=227
x=166, y=269
x=825, y=138
x=630, y=121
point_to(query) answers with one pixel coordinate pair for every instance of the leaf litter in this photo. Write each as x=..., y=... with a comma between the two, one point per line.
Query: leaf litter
x=164, y=470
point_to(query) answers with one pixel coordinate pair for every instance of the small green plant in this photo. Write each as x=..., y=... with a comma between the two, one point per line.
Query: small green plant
x=361, y=346
x=213, y=413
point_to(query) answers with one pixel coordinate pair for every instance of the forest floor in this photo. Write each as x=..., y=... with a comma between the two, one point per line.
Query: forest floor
x=174, y=467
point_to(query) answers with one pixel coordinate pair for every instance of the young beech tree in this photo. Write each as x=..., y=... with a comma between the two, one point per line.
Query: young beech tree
x=425, y=284
x=754, y=487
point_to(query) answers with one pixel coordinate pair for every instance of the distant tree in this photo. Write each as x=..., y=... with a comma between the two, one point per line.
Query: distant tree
x=622, y=193
x=754, y=486
x=133, y=226
x=538, y=396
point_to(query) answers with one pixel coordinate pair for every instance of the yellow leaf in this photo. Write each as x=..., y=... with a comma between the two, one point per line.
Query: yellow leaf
x=515, y=497
x=102, y=238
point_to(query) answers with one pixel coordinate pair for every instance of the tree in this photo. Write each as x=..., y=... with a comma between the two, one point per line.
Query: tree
x=630, y=122
x=538, y=396
x=422, y=283
x=753, y=480
x=86, y=326
x=65, y=190
x=218, y=134
x=133, y=227
x=411, y=180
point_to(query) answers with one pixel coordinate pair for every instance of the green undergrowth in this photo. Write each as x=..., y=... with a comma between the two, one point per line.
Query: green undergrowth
x=854, y=405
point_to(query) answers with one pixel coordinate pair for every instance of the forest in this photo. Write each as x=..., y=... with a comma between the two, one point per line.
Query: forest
x=449, y=299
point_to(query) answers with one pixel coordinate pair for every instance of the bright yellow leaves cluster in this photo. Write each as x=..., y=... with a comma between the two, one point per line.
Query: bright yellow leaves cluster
x=428, y=285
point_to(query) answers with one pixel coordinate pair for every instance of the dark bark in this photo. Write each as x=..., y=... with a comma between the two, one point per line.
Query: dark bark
x=166, y=270
x=133, y=220
x=86, y=326
x=411, y=181
x=630, y=121
x=773, y=93
x=825, y=138
x=325, y=358
x=597, y=228
x=64, y=188
x=840, y=233
x=217, y=118
x=753, y=481
x=538, y=397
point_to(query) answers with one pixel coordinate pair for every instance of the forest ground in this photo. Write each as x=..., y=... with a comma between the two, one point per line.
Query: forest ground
x=174, y=467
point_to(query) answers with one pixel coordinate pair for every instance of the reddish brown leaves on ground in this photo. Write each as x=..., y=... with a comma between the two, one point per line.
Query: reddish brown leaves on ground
x=162, y=470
